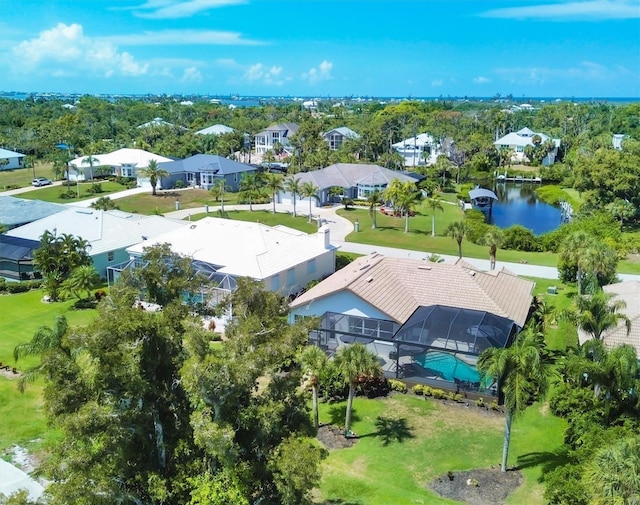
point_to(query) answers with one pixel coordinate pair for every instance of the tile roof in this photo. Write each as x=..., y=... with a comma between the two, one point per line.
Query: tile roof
x=139, y=158
x=242, y=248
x=523, y=137
x=348, y=175
x=216, y=129
x=629, y=292
x=398, y=286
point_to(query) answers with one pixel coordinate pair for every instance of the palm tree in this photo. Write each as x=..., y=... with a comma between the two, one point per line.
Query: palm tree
x=613, y=476
x=44, y=340
x=572, y=251
x=313, y=361
x=251, y=186
x=595, y=314
x=523, y=372
x=373, y=200
x=457, y=230
x=83, y=278
x=154, y=173
x=104, y=203
x=292, y=185
x=493, y=239
x=434, y=204
x=353, y=361
x=90, y=160
x=273, y=183
x=309, y=190
x=404, y=196
x=218, y=189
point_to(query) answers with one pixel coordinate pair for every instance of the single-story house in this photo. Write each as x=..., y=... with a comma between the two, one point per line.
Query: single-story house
x=18, y=211
x=517, y=141
x=109, y=233
x=277, y=133
x=16, y=257
x=283, y=259
x=203, y=170
x=216, y=129
x=420, y=150
x=124, y=162
x=356, y=180
x=336, y=137
x=10, y=159
x=427, y=322
x=155, y=123
x=629, y=293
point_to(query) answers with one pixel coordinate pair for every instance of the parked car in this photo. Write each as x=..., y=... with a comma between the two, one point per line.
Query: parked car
x=41, y=181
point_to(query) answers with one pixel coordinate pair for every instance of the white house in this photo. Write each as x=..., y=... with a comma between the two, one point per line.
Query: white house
x=124, y=162
x=216, y=129
x=424, y=320
x=418, y=151
x=109, y=233
x=277, y=133
x=517, y=141
x=283, y=259
x=10, y=159
x=336, y=137
x=155, y=123
x=617, y=140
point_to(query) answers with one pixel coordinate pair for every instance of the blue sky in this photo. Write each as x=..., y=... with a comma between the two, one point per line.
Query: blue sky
x=533, y=48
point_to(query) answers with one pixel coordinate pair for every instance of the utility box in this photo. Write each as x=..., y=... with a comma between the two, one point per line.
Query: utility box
x=552, y=290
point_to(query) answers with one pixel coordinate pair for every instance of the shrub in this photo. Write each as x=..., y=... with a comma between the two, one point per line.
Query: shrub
x=373, y=386
x=95, y=188
x=428, y=391
x=519, y=238
x=179, y=184
x=439, y=394
x=494, y=405
x=67, y=195
x=418, y=389
x=480, y=402
x=332, y=386
x=99, y=294
x=18, y=287
x=458, y=398
x=35, y=284
x=397, y=386
x=85, y=303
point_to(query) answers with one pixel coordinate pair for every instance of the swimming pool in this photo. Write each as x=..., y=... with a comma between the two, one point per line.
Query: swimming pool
x=447, y=366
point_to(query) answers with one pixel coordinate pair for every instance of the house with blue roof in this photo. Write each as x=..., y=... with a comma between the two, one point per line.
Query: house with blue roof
x=18, y=211
x=204, y=169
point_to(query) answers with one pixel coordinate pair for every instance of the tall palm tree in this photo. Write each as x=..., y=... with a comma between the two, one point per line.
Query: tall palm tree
x=44, y=340
x=155, y=173
x=251, y=186
x=595, y=314
x=273, y=182
x=292, y=185
x=493, y=239
x=373, y=200
x=353, y=361
x=218, y=189
x=313, y=361
x=309, y=190
x=457, y=231
x=434, y=204
x=90, y=160
x=572, y=251
x=523, y=371
x=613, y=476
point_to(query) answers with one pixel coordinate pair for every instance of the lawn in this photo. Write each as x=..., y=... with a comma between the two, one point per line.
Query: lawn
x=300, y=223
x=22, y=417
x=165, y=201
x=52, y=193
x=406, y=441
x=22, y=177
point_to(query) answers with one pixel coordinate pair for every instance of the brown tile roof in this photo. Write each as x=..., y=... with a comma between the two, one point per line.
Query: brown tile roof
x=629, y=292
x=398, y=286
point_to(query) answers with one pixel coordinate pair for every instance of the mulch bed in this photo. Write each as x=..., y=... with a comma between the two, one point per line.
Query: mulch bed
x=489, y=486
x=333, y=437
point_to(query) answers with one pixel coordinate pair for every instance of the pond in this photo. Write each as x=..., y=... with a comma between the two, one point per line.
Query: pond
x=518, y=204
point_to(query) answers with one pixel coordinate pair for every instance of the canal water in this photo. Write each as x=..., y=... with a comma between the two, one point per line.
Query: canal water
x=518, y=204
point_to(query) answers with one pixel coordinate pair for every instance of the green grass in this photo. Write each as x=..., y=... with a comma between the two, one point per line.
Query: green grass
x=52, y=193
x=429, y=440
x=22, y=416
x=165, y=201
x=267, y=217
x=22, y=177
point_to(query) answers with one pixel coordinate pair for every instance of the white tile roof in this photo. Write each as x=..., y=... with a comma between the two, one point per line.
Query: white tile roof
x=216, y=129
x=241, y=248
x=138, y=158
x=523, y=137
x=104, y=230
x=421, y=140
x=398, y=286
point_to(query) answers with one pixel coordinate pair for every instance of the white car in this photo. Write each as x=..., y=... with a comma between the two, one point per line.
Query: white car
x=41, y=181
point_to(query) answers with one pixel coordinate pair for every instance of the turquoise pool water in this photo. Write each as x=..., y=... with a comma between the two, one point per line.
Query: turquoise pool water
x=447, y=366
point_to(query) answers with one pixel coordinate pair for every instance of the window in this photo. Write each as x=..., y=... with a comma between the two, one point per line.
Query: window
x=275, y=282
x=311, y=266
x=110, y=256
x=519, y=149
x=291, y=277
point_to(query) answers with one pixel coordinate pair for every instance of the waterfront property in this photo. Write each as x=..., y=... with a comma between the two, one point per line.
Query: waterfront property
x=427, y=322
x=516, y=142
x=482, y=198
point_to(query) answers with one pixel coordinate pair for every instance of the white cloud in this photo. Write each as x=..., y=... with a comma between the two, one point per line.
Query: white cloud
x=182, y=37
x=260, y=72
x=173, y=9
x=191, y=74
x=437, y=82
x=481, y=80
x=322, y=73
x=66, y=50
x=585, y=71
x=583, y=9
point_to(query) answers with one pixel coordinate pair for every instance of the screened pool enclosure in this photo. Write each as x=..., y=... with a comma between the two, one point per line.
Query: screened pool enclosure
x=436, y=344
